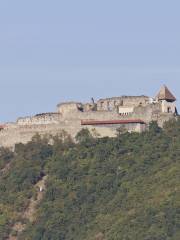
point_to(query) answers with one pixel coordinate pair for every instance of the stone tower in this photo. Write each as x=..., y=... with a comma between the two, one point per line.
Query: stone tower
x=167, y=100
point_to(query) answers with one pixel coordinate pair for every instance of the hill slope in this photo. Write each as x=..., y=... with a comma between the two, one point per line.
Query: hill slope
x=112, y=188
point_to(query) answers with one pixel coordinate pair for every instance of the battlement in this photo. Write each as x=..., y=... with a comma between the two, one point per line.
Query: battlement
x=134, y=113
x=123, y=101
x=125, y=97
x=43, y=118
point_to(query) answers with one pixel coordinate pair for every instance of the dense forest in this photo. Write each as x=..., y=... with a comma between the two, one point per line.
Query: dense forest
x=123, y=188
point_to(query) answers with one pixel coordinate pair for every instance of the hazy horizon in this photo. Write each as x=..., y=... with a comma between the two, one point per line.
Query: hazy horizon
x=60, y=51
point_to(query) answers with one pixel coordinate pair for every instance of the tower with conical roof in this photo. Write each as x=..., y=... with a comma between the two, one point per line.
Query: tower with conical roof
x=167, y=100
x=165, y=94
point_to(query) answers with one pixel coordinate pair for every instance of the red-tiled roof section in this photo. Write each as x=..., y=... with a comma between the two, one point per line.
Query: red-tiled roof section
x=106, y=122
x=165, y=94
x=2, y=126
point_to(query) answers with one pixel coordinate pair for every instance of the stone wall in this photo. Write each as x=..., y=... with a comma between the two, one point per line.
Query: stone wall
x=45, y=118
x=69, y=107
x=69, y=116
x=111, y=129
x=111, y=104
x=71, y=123
x=168, y=107
x=25, y=129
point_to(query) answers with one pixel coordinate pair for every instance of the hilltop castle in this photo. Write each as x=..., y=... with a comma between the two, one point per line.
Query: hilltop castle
x=133, y=113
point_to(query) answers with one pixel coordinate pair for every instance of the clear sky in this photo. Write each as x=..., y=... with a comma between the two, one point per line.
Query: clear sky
x=59, y=50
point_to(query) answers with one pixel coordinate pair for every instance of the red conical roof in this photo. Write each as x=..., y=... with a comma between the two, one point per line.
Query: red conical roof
x=165, y=94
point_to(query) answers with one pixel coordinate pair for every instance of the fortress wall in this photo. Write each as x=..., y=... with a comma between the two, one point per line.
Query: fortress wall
x=152, y=112
x=148, y=113
x=10, y=126
x=40, y=119
x=23, y=134
x=135, y=101
x=128, y=101
x=111, y=129
x=142, y=112
x=99, y=115
x=75, y=118
x=9, y=137
x=72, y=125
x=69, y=119
x=69, y=107
x=164, y=117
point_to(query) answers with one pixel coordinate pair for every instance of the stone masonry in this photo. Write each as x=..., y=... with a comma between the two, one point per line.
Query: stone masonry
x=104, y=117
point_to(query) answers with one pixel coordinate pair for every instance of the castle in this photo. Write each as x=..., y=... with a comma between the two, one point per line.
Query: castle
x=105, y=116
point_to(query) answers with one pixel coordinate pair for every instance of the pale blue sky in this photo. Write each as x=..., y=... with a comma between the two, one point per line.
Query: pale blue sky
x=53, y=51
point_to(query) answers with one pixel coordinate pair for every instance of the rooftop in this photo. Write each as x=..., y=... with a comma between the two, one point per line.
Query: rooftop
x=106, y=122
x=165, y=94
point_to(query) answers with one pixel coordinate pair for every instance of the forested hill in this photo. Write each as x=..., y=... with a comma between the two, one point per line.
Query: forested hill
x=123, y=188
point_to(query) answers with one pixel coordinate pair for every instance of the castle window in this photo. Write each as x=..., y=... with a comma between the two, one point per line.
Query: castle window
x=169, y=110
x=102, y=104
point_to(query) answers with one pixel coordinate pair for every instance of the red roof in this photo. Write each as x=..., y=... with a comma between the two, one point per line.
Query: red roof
x=165, y=94
x=2, y=126
x=106, y=122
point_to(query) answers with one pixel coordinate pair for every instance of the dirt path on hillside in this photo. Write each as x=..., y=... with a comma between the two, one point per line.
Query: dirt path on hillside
x=29, y=213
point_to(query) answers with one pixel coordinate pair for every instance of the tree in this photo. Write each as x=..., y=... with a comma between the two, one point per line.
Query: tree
x=83, y=136
x=154, y=128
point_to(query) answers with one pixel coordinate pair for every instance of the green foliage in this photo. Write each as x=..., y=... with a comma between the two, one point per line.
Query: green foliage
x=109, y=188
x=5, y=157
x=84, y=136
x=154, y=128
x=16, y=184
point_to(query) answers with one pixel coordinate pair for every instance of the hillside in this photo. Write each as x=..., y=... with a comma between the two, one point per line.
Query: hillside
x=123, y=188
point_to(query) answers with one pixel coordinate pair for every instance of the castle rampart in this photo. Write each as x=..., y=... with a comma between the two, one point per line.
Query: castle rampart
x=44, y=118
x=133, y=113
x=110, y=104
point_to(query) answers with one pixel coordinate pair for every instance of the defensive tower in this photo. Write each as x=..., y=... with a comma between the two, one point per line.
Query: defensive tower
x=167, y=100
